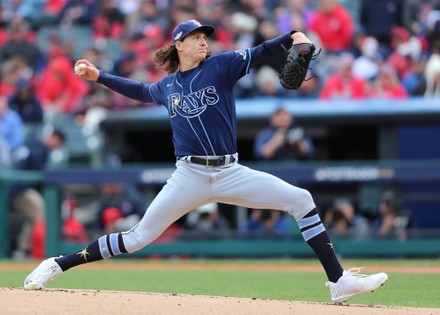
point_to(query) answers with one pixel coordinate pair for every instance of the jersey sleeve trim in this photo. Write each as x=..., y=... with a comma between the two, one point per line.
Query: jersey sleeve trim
x=248, y=67
x=152, y=97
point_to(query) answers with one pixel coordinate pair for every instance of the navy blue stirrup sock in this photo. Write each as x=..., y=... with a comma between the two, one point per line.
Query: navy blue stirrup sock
x=316, y=236
x=105, y=247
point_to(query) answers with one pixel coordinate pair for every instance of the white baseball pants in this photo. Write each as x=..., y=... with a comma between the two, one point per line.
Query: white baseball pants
x=193, y=185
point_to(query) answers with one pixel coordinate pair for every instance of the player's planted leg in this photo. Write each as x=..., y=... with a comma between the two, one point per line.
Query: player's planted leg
x=315, y=235
x=353, y=283
x=343, y=284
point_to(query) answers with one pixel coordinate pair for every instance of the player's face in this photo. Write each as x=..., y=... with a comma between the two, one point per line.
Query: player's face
x=195, y=46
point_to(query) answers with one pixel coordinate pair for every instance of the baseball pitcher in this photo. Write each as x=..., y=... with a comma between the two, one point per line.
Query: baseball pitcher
x=198, y=95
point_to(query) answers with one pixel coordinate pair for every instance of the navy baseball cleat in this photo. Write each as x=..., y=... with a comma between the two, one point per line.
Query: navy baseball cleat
x=353, y=283
x=45, y=272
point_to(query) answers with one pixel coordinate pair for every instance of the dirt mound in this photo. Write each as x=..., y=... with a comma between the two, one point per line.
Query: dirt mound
x=16, y=301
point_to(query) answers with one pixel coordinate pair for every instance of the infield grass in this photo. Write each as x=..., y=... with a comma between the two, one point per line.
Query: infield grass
x=414, y=289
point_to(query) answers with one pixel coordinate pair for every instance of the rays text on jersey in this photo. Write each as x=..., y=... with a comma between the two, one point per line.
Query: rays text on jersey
x=193, y=104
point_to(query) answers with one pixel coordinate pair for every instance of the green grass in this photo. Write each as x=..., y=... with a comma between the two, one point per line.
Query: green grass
x=403, y=289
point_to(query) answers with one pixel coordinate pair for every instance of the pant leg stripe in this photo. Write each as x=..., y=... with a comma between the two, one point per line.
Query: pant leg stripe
x=103, y=249
x=313, y=232
x=114, y=244
x=107, y=240
x=308, y=221
x=121, y=244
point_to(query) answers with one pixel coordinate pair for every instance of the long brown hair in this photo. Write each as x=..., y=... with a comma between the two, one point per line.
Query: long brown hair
x=166, y=58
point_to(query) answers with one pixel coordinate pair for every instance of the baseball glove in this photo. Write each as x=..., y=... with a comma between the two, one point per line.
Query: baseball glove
x=295, y=70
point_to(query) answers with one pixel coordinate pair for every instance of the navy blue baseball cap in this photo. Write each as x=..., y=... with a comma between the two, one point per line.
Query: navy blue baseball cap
x=186, y=27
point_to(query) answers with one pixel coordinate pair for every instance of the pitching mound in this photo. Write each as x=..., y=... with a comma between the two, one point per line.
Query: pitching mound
x=15, y=301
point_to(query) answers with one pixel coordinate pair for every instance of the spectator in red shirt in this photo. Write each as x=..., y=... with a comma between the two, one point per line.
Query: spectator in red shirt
x=54, y=7
x=333, y=25
x=58, y=88
x=3, y=35
x=400, y=58
x=387, y=84
x=343, y=84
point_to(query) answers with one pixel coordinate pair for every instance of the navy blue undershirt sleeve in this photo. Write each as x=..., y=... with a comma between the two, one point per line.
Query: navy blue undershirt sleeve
x=130, y=88
x=271, y=48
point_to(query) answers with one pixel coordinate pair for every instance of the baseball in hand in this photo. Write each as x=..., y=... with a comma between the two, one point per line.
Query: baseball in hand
x=80, y=69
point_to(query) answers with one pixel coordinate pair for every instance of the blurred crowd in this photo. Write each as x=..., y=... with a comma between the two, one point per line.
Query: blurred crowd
x=369, y=49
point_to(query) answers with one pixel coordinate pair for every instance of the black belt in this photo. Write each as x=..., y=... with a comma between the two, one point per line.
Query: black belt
x=215, y=161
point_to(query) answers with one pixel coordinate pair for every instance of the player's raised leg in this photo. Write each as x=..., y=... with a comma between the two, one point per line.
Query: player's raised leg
x=254, y=189
x=45, y=272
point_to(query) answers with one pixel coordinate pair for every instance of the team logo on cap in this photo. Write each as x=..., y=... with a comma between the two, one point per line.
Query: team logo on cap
x=186, y=28
x=178, y=35
x=196, y=23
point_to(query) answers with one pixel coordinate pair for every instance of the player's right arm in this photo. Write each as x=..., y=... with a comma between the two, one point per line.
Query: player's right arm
x=130, y=88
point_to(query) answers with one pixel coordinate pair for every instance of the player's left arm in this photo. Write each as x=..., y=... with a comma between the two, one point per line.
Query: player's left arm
x=271, y=48
x=276, y=46
x=235, y=64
